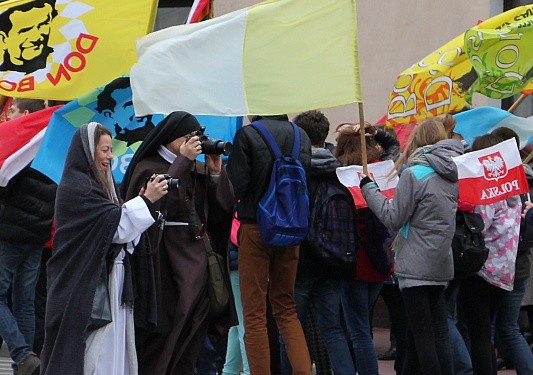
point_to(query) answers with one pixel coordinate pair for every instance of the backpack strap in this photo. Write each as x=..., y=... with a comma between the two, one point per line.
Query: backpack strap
x=271, y=142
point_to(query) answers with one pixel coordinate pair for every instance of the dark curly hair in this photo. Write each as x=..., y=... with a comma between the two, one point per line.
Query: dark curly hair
x=315, y=124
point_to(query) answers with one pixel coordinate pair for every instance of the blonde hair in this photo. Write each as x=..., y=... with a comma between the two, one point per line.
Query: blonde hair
x=427, y=133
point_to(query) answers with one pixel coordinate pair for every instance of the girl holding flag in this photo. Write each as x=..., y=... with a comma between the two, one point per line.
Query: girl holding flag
x=423, y=211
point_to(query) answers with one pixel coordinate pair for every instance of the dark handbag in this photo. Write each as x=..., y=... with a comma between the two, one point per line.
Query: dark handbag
x=101, y=308
x=218, y=285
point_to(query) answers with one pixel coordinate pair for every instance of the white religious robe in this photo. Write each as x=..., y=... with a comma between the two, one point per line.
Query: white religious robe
x=111, y=349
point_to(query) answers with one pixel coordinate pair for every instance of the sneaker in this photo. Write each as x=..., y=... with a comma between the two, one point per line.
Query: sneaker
x=389, y=355
x=30, y=365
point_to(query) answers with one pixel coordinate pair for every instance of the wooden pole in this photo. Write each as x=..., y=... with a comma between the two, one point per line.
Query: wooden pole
x=517, y=103
x=528, y=158
x=362, y=131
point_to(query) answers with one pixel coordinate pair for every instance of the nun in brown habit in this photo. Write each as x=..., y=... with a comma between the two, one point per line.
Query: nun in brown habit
x=203, y=200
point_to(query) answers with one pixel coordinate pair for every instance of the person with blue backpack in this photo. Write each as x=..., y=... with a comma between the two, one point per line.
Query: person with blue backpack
x=327, y=255
x=268, y=252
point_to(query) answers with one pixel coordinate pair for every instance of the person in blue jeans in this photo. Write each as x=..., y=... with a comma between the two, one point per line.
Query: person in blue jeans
x=360, y=293
x=24, y=228
x=316, y=283
x=462, y=364
x=26, y=211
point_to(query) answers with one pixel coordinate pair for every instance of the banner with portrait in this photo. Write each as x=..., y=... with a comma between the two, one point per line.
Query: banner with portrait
x=112, y=106
x=62, y=49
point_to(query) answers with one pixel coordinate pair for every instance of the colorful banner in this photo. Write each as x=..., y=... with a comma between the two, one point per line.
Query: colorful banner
x=278, y=56
x=483, y=120
x=19, y=141
x=438, y=83
x=492, y=174
x=502, y=58
x=381, y=173
x=111, y=105
x=63, y=49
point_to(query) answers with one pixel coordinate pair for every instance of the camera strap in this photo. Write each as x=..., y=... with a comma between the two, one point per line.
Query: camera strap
x=191, y=206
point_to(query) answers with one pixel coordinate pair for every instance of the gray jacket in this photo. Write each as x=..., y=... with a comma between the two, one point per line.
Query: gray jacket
x=423, y=210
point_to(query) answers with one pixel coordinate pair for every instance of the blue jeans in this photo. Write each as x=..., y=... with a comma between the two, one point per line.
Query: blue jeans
x=324, y=293
x=19, y=267
x=508, y=329
x=462, y=364
x=358, y=300
x=236, y=352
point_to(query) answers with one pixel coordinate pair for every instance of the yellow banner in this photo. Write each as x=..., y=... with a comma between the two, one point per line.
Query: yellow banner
x=438, y=83
x=63, y=49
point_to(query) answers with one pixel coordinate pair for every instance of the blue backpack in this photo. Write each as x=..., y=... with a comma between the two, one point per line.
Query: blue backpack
x=283, y=212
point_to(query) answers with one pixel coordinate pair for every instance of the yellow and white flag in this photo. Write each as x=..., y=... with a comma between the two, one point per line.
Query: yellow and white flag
x=62, y=49
x=279, y=56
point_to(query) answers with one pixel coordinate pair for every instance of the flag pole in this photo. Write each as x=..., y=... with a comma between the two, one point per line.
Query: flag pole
x=528, y=158
x=362, y=132
x=517, y=103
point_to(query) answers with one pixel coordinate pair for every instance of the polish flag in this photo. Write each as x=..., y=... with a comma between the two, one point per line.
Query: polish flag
x=492, y=174
x=381, y=173
x=19, y=141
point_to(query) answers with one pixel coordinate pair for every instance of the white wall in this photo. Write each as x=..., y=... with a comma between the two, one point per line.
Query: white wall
x=393, y=35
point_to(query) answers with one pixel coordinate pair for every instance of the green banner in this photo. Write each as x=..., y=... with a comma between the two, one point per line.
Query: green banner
x=502, y=57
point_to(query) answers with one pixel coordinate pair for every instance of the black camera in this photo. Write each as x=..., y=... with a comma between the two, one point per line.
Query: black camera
x=173, y=183
x=212, y=146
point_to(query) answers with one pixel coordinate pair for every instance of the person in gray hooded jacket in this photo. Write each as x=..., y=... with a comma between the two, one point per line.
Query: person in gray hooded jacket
x=423, y=211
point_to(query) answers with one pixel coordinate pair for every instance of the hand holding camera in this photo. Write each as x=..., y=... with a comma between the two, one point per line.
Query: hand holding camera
x=191, y=148
x=158, y=186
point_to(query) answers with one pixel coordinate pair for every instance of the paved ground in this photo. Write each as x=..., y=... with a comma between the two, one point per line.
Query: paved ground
x=381, y=340
x=5, y=361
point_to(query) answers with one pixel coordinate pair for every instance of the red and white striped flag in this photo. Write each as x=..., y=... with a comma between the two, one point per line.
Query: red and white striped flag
x=19, y=141
x=200, y=11
x=380, y=172
x=492, y=174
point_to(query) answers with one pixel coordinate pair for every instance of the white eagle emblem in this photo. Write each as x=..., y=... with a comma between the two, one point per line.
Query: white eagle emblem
x=494, y=166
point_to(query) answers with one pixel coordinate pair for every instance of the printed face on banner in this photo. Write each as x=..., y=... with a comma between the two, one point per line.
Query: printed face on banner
x=39, y=48
x=115, y=110
x=24, y=36
x=494, y=166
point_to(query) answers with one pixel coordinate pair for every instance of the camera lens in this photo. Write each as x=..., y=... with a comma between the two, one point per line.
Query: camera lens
x=173, y=183
x=212, y=146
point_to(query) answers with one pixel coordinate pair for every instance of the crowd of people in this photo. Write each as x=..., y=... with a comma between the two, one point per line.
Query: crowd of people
x=123, y=286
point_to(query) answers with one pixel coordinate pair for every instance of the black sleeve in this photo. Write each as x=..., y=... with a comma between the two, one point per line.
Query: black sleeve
x=390, y=144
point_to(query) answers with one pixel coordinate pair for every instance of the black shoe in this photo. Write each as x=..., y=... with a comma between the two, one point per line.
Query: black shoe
x=389, y=355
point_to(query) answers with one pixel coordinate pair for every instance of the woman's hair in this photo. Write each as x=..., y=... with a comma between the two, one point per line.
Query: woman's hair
x=348, y=149
x=427, y=133
x=99, y=175
x=449, y=124
x=485, y=141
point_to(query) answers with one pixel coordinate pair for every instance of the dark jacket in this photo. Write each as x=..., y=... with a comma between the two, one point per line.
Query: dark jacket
x=389, y=143
x=323, y=168
x=250, y=163
x=27, y=208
